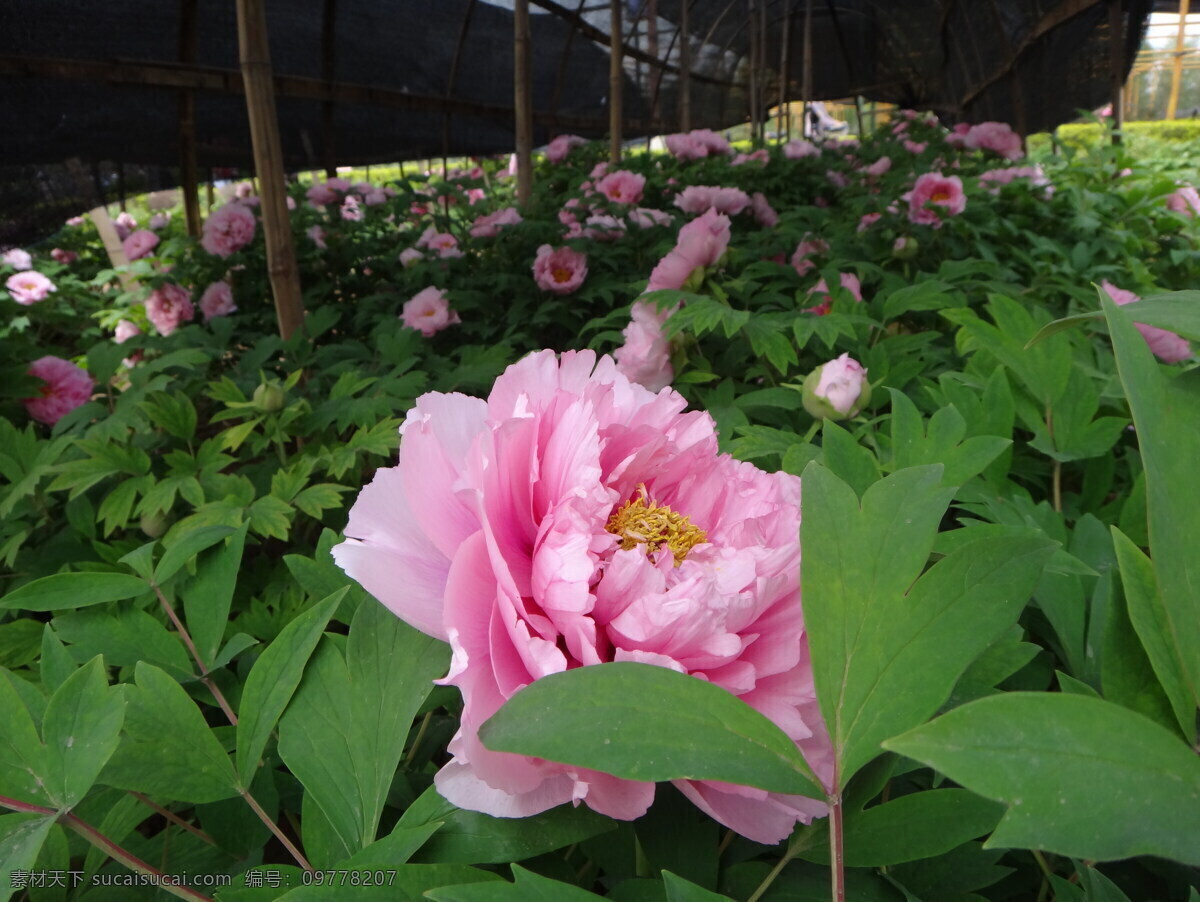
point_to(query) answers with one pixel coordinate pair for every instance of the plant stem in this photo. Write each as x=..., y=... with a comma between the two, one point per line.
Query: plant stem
x=274, y=828
x=174, y=818
x=1056, y=485
x=801, y=840
x=838, y=876
x=108, y=847
x=412, y=752
x=204, y=672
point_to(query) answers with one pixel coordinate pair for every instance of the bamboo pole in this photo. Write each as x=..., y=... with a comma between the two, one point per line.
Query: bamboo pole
x=189, y=176
x=523, y=98
x=1116, y=58
x=268, y=163
x=685, y=69
x=616, y=81
x=1177, y=64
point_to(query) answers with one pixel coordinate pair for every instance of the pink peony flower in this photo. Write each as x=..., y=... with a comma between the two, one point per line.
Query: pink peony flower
x=805, y=250
x=942, y=191
x=997, y=137
x=29, y=287
x=645, y=218
x=697, y=144
x=915, y=147
x=124, y=224
x=879, y=167
x=139, y=244
x=67, y=387
x=321, y=194
x=350, y=209
x=958, y=136
x=64, y=257
x=558, y=149
x=168, y=306
x=522, y=528
x=798, y=149
x=125, y=330
x=701, y=198
x=994, y=178
x=602, y=227
x=622, y=187
x=645, y=357
x=228, y=229
x=75, y=221
x=1186, y=200
x=159, y=221
x=243, y=189
x=820, y=292
x=868, y=220
x=1166, y=345
x=837, y=179
x=764, y=213
x=757, y=156
x=445, y=244
x=18, y=259
x=339, y=185
x=316, y=234
x=840, y=391
x=217, y=300
x=560, y=270
x=429, y=312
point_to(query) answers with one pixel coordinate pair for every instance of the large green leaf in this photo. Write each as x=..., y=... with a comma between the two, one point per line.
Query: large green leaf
x=527, y=887
x=1176, y=311
x=403, y=883
x=23, y=759
x=208, y=595
x=73, y=590
x=642, y=722
x=274, y=678
x=1165, y=413
x=169, y=750
x=887, y=647
x=81, y=730
x=1081, y=776
x=21, y=838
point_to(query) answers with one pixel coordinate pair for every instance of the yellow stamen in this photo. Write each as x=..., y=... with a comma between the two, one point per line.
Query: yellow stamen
x=939, y=196
x=641, y=521
x=561, y=275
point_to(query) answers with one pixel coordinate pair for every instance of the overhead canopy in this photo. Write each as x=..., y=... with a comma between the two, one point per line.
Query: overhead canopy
x=90, y=87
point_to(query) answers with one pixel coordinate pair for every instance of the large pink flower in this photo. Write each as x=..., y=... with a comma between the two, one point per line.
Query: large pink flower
x=139, y=244
x=17, y=258
x=228, y=229
x=645, y=357
x=997, y=137
x=560, y=270
x=429, y=312
x=943, y=191
x=67, y=387
x=622, y=186
x=702, y=242
x=574, y=519
x=169, y=306
x=1166, y=345
x=29, y=287
x=1185, y=200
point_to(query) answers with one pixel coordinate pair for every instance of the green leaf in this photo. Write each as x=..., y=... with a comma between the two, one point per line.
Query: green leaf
x=642, y=722
x=847, y=459
x=73, y=590
x=1152, y=626
x=396, y=848
x=527, y=887
x=56, y=663
x=169, y=750
x=81, y=730
x=945, y=443
x=915, y=826
x=1176, y=311
x=208, y=595
x=23, y=759
x=129, y=636
x=404, y=883
x=1165, y=412
x=1078, y=774
x=680, y=890
x=273, y=679
x=887, y=647
x=21, y=838
x=184, y=548
x=20, y=642
x=930, y=295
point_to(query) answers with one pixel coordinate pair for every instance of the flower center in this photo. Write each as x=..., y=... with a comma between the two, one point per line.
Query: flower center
x=641, y=521
x=939, y=197
x=561, y=274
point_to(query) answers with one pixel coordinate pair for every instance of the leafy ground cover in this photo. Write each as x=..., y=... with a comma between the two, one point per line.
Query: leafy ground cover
x=985, y=431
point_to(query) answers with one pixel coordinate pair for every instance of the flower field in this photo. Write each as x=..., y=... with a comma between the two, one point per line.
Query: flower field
x=865, y=469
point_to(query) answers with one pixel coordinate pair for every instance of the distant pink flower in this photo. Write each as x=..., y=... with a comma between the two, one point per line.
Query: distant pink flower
x=805, y=251
x=139, y=244
x=489, y=226
x=169, y=306
x=759, y=156
x=997, y=137
x=67, y=387
x=159, y=221
x=764, y=213
x=475, y=196
x=915, y=147
x=942, y=191
x=645, y=357
x=622, y=186
x=559, y=270
x=429, y=312
x=18, y=259
x=958, y=135
x=798, y=149
x=227, y=230
x=64, y=257
x=316, y=234
x=217, y=300
x=518, y=520
x=868, y=220
x=75, y=221
x=1167, y=346
x=558, y=149
x=321, y=194
x=697, y=144
x=1185, y=200
x=602, y=227
x=879, y=167
x=445, y=244
x=840, y=387
x=29, y=287
x=994, y=178
x=350, y=210
x=410, y=256
x=338, y=184
x=243, y=189
x=837, y=179
x=645, y=218
x=374, y=197
x=124, y=224
x=599, y=170
x=125, y=330
x=700, y=198
x=820, y=293
x=701, y=243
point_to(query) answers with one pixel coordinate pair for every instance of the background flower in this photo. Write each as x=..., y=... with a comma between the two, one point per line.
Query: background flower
x=67, y=386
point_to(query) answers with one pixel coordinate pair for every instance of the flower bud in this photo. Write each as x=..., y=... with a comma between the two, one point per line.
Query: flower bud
x=153, y=525
x=269, y=397
x=836, y=390
x=905, y=247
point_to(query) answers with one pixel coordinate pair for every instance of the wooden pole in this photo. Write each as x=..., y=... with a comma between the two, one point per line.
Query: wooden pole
x=764, y=107
x=685, y=69
x=268, y=163
x=1116, y=60
x=189, y=174
x=1177, y=64
x=523, y=99
x=328, y=74
x=616, y=81
x=112, y=244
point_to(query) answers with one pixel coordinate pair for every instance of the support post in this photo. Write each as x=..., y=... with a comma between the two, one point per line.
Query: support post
x=523, y=99
x=1116, y=60
x=189, y=175
x=1177, y=63
x=685, y=69
x=616, y=81
x=268, y=163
